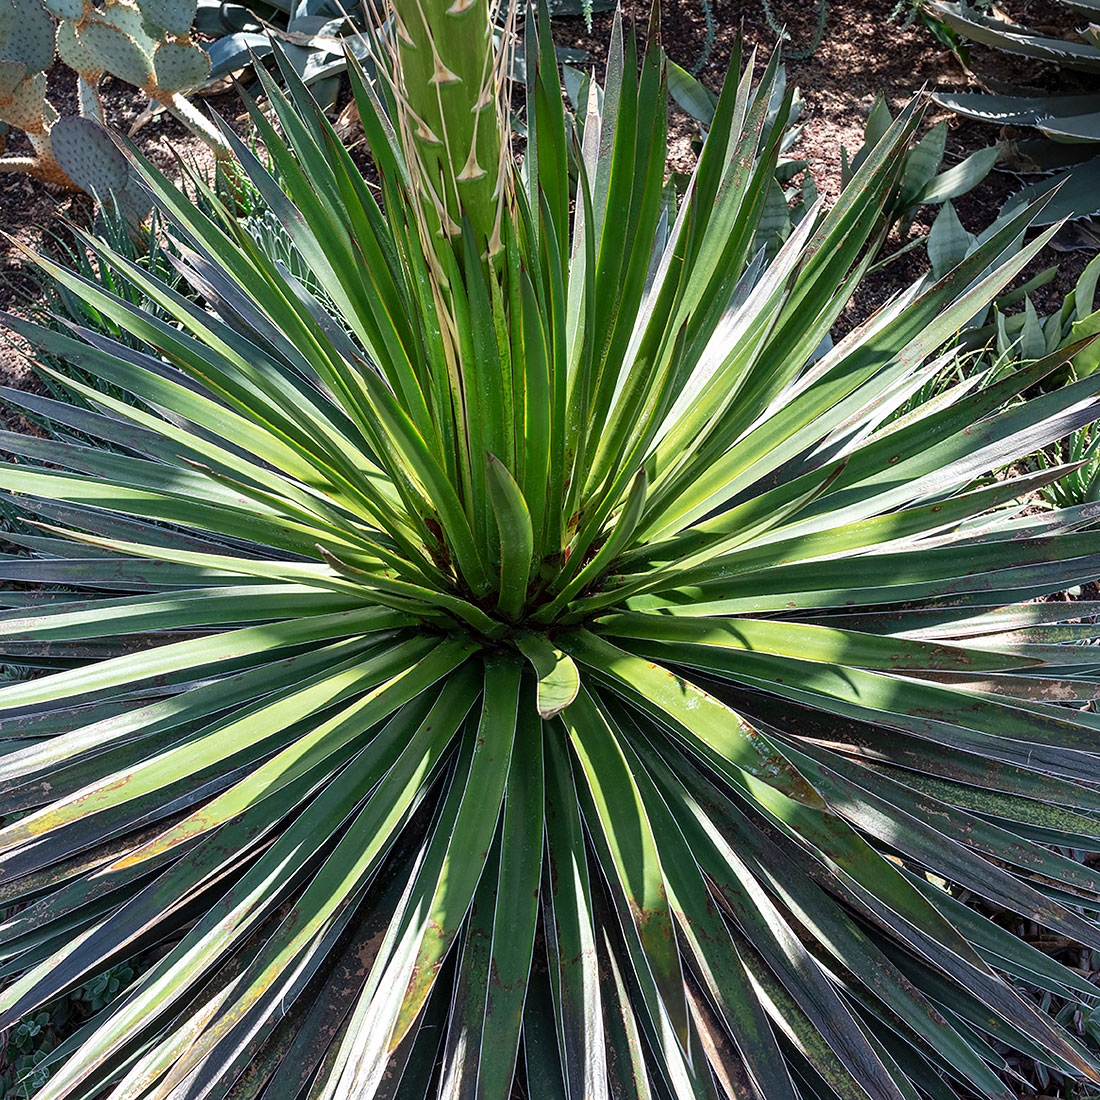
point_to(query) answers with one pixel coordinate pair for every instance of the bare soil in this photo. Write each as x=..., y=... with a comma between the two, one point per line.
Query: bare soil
x=867, y=49
x=37, y=217
x=863, y=51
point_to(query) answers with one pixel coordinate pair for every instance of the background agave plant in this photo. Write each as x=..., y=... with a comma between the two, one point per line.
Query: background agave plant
x=534, y=669
x=314, y=36
x=1070, y=124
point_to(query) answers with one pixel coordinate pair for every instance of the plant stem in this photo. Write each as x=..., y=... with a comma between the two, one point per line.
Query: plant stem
x=449, y=80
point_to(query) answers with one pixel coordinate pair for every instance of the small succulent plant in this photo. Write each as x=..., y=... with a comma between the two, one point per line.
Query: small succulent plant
x=146, y=43
x=923, y=180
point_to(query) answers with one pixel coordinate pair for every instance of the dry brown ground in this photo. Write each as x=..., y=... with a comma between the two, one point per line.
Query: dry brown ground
x=862, y=53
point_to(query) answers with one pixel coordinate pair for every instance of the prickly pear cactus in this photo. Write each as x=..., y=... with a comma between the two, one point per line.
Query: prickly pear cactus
x=95, y=164
x=146, y=43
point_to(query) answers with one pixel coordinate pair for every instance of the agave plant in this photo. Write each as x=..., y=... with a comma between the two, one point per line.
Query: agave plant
x=535, y=672
x=1070, y=124
x=313, y=35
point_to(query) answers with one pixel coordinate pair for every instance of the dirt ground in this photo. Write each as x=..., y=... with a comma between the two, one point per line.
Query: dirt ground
x=868, y=47
x=862, y=51
x=34, y=216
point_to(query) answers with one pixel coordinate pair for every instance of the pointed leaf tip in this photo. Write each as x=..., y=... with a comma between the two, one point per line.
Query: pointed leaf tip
x=559, y=680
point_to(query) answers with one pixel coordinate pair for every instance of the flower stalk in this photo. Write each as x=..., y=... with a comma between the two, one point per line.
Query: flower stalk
x=449, y=74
